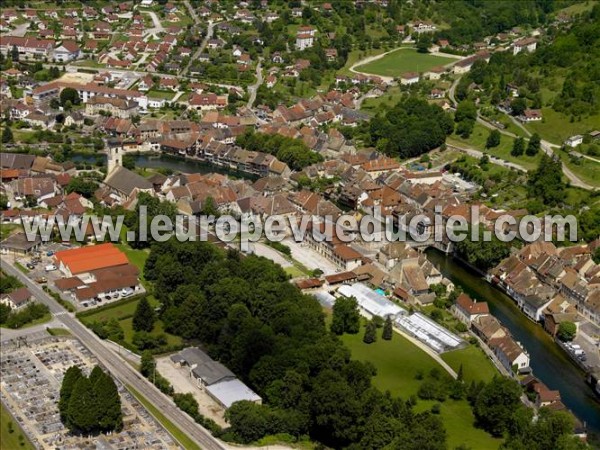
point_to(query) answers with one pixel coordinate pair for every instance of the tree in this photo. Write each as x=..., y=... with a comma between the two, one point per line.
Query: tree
x=518, y=147
x=566, y=331
x=518, y=106
x=495, y=405
x=7, y=135
x=69, y=95
x=465, y=117
x=14, y=53
x=108, y=403
x=493, y=139
x=148, y=365
x=546, y=181
x=346, y=318
x=534, y=145
x=90, y=404
x=370, y=332
x=72, y=375
x=387, y=329
x=144, y=316
x=82, y=415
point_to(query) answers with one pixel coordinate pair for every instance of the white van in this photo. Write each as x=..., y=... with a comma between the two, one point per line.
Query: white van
x=50, y=267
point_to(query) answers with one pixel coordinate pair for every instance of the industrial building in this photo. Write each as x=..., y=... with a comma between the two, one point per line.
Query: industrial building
x=214, y=378
x=429, y=332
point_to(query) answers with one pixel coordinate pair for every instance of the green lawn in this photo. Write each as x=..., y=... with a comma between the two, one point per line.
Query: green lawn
x=6, y=229
x=357, y=55
x=179, y=435
x=476, y=365
x=155, y=93
x=404, y=60
x=586, y=169
x=387, y=100
x=557, y=127
x=398, y=361
x=59, y=332
x=294, y=271
x=8, y=440
x=123, y=312
x=127, y=325
x=136, y=257
x=478, y=139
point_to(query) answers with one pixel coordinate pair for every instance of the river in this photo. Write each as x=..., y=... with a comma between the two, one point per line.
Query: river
x=175, y=163
x=549, y=363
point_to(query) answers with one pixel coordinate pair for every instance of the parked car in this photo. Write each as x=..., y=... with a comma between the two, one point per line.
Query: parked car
x=126, y=292
x=50, y=267
x=49, y=253
x=30, y=266
x=42, y=280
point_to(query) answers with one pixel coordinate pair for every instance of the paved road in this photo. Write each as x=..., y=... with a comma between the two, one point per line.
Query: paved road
x=209, y=33
x=8, y=334
x=158, y=28
x=253, y=89
x=478, y=154
x=122, y=371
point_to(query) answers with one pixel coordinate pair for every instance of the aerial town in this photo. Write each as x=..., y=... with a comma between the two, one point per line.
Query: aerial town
x=418, y=115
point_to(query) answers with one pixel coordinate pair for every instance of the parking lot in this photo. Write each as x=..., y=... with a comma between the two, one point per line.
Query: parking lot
x=31, y=378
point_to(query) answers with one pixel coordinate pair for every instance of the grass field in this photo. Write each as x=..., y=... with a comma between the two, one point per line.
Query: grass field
x=123, y=312
x=398, y=361
x=404, y=60
x=59, y=332
x=476, y=365
x=155, y=93
x=557, y=127
x=587, y=170
x=6, y=229
x=136, y=257
x=8, y=440
x=179, y=435
x=477, y=141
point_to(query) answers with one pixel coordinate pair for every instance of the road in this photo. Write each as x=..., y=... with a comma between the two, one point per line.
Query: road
x=120, y=370
x=209, y=33
x=547, y=147
x=478, y=154
x=158, y=28
x=253, y=89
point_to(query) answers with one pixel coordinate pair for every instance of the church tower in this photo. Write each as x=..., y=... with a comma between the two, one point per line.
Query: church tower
x=115, y=158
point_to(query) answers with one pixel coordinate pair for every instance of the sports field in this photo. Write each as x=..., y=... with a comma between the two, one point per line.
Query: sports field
x=403, y=60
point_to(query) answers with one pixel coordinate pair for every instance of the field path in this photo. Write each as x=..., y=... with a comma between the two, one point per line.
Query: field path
x=387, y=79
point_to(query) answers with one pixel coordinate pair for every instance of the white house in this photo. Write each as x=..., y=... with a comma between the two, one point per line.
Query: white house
x=409, y=78
x=305, y=37
x=67, y=51
x=574, y=141
x=528, y=44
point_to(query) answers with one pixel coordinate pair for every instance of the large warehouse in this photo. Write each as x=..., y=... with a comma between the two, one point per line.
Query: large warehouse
x=83, y=260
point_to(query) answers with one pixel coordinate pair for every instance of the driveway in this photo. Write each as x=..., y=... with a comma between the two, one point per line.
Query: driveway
x=157, y=28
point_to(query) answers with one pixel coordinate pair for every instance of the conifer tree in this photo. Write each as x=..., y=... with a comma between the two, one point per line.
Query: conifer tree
x=387, y=329
x=144, y=317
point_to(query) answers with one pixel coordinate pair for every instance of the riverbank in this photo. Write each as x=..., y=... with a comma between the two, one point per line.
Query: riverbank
x=548, y=361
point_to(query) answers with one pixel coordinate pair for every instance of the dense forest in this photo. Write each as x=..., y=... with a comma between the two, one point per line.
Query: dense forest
x=409, y=129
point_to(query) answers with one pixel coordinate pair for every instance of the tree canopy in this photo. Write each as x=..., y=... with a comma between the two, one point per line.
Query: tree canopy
x=90, y=405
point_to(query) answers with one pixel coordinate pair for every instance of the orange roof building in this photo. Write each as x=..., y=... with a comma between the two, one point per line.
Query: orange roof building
x=87, y=259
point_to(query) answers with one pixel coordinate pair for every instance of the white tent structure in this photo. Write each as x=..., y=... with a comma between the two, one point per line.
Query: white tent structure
x=370, y=302
x=429, y=332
